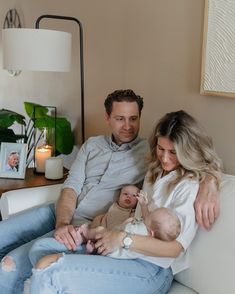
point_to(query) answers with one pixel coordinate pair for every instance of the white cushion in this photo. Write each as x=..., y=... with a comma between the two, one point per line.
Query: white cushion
x=213, y=253
x=15, y=201
x=178, y=288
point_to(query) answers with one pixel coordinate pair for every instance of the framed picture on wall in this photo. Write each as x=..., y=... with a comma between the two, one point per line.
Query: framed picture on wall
x=218, y=54
x=13, y=160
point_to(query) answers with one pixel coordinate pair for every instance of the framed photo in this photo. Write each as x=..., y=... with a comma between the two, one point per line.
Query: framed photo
x=13, y=160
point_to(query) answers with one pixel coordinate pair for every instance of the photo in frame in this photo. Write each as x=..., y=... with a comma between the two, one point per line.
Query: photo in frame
x=218, y=54
x=13, y=160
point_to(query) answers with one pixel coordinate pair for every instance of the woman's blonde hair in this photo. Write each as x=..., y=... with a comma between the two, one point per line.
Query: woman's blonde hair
x=194, y=149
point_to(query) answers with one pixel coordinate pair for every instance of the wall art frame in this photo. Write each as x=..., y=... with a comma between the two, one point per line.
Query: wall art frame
x=218, y=53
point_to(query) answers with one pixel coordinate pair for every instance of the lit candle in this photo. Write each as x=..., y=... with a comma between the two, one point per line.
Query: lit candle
x=54, y=168
x=42, y=153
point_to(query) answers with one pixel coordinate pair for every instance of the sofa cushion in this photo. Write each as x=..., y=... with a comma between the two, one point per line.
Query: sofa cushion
x=212, y=254
x=178, y=288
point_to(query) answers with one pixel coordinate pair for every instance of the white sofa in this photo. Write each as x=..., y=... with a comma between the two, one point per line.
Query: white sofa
x=212, y=253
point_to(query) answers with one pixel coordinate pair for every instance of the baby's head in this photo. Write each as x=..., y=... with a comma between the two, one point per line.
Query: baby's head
x=127, y=197
x=163, y=224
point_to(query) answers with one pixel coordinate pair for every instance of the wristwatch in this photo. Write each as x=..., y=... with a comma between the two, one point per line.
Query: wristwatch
x=127, y=241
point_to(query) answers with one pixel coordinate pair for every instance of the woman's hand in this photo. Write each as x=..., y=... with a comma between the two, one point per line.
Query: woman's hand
x=207, y=205
x=109, y=241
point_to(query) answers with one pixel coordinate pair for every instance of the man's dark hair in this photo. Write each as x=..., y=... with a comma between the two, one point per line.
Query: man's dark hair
x=123, y=96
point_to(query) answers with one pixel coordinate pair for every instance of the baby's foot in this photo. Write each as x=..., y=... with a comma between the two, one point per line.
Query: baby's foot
x=80, y=238
x=90, y=247
x=84, y=231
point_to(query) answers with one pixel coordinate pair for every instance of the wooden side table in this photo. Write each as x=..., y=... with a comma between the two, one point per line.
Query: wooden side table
x=31, y=180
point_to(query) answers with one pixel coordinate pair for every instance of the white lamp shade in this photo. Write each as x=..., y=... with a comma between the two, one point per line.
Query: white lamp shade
x=36, y=49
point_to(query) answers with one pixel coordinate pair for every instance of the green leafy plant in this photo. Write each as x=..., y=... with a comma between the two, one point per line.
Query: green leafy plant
x=7, y=119
x=39, y=115
x=40, y=118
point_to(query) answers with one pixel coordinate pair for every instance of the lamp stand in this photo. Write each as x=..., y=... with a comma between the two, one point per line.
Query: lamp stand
x=81, y=61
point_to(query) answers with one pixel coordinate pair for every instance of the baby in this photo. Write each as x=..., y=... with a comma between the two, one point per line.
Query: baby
x=118, y=212
x=161, y=223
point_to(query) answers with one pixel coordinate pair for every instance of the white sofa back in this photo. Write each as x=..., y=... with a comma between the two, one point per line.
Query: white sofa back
x=15, y=201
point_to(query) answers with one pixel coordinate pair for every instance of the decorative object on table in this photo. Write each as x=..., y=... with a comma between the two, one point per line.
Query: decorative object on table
x=42, y=153
x=43, y=50
x=64, y=139
x=54, y=168
x=218, y=56
x=44, y=144
x=12, y=20
x=13, y=160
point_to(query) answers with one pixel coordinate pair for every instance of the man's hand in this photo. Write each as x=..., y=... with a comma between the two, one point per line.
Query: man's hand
x=207, y=205
x=67, y=235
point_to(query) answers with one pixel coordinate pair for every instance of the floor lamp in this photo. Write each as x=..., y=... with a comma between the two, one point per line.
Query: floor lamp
x=43, y=50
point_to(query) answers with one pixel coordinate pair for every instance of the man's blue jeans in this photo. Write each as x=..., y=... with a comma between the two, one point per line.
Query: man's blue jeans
x=17, y=235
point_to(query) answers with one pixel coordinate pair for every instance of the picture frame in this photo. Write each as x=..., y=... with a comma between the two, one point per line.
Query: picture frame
x=218, y=63
x=13, y=160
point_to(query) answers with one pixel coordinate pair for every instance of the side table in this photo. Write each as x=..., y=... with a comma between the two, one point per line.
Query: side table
x=31, y=180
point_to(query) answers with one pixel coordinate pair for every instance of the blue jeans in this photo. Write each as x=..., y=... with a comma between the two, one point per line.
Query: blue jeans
x=17, y=234
x=46, y=246
x=94, y=274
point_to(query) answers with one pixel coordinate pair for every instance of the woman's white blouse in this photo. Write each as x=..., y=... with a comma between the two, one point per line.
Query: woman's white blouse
x=181, y=200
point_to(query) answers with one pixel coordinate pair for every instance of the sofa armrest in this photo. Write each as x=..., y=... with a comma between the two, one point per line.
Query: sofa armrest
x=15, y=201
x=211, y=254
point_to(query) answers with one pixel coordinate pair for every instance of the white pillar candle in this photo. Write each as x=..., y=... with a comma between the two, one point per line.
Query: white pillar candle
x=54, y=168
x=41, y=154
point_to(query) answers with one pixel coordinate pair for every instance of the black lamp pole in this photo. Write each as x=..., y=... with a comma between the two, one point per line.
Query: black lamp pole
x=81, y=62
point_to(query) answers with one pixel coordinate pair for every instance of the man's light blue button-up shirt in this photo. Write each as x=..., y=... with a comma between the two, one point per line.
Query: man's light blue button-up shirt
x=100, y=170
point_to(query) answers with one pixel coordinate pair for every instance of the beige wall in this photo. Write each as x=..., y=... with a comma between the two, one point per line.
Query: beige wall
x=152, y=46
x=103, y=23
x=163, y=63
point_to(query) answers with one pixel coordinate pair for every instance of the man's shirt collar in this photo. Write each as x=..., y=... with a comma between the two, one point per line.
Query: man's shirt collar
x=124, y=146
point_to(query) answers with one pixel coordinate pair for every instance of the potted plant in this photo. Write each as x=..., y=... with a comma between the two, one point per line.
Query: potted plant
x=39, y=118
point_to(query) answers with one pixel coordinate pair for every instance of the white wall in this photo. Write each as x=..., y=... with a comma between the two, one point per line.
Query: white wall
x=152, y=46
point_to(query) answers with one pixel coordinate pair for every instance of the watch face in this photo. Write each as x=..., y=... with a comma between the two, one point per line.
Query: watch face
x=12, y=20
x=127, y=242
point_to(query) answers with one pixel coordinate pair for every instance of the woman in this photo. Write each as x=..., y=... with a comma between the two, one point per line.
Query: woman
x=181, y=156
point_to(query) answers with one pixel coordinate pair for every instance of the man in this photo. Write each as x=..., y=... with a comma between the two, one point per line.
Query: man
x=103, y=165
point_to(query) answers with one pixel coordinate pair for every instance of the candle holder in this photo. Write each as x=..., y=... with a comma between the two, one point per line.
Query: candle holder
x=44, y=136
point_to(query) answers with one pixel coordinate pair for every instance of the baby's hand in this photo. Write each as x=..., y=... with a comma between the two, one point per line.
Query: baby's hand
x=142, y=198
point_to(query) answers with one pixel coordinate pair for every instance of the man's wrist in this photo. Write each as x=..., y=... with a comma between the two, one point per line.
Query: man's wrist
x=61, y=224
